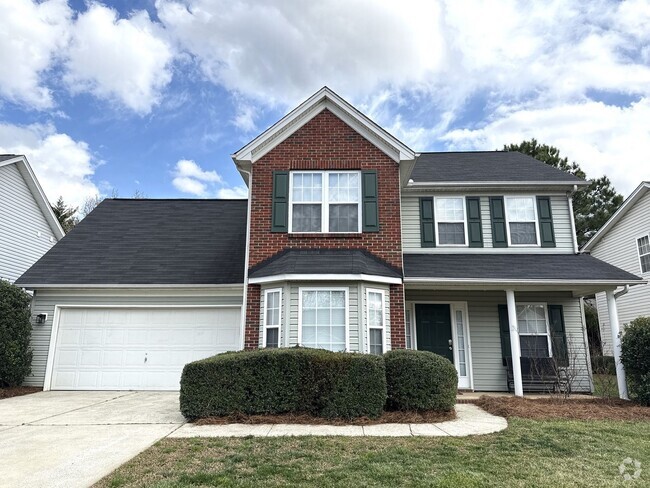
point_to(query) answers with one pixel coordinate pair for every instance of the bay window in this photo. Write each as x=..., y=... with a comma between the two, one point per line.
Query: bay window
x=521, y=215
x=323, y=318
x=534, y=336
x=325, y=201
x=450, y=221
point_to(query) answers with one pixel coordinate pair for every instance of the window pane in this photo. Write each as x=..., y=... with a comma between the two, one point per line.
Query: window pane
x=375, y=310
x=307, y=187
x=531, y=319
x=522, y=233
x=534, y=346
x=306, y=218
x=273, y=337
x=644, y=245
x=343, y=187
x=521, y=209
x=344, y=218
x=645, y=263
x=409, y=340
x=449, y=209
x=375, y=341
x=451, y=233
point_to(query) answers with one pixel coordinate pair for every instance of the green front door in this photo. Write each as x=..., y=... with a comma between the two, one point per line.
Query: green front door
x=433, y=329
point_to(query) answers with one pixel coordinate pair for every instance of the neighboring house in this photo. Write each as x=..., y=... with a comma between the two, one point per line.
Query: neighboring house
x=624, y=241
x=28, y=227
x=349, y=240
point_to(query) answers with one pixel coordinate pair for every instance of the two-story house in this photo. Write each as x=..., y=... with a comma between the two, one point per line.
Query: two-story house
x=349, y=241
x=28, y=227
x=624, y=241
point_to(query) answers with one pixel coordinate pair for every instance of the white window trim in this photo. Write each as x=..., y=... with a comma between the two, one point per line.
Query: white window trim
x=384, y=317
x=347, y=310
x=266, y=326
x=548, y=325
x=324, y=203
x=507, y=215
x=638, y=252
x=437, y=221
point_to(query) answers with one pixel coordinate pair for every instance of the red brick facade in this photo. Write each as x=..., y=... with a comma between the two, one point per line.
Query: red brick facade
x=326, y=143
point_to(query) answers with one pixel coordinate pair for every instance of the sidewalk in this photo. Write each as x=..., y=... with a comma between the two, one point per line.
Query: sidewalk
x=471, y=420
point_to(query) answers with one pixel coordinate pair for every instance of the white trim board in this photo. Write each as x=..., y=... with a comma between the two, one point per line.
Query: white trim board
x=325, y=277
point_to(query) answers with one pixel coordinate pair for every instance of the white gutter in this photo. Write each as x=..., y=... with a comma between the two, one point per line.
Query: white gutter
x=432, y=184
x=325, y=277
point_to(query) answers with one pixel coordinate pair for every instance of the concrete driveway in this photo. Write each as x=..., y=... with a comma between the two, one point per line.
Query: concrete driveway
x=74, y=438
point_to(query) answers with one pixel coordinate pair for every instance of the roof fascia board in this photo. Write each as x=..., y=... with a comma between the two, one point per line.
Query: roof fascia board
x=433, y=280
x=125, y=286
x=494, y=184
x=325, y=277
x=636, y=195
x=321, y=100
x=37, y=192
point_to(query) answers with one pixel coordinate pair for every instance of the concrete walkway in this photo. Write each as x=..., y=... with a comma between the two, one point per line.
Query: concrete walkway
x=471, y=421
x=73, y=439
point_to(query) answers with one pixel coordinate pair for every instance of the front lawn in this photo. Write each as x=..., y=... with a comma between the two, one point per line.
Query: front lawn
x=529, y=453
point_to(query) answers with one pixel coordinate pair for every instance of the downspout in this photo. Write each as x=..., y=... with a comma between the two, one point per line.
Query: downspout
x=248, y=236
x=573, y=220
x=622, y=292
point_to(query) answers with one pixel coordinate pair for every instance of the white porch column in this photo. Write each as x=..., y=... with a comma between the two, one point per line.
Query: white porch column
x=616, y=343
x=514, y=343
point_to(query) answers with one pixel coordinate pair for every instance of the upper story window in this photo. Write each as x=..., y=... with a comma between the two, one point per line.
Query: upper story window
x=325, y=201
x=521, y=216
x=643, y=244
x=450, y=221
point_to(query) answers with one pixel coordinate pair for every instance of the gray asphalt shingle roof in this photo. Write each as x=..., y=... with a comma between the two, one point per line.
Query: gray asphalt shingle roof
x=533, y=267
x=4, y=157
x=140, y=241
x=323, y=261
x=485, y=166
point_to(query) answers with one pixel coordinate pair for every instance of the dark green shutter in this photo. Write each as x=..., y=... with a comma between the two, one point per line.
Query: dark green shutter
x=474, y=228
x=498, y=216
x=280, y=205
x=427, y=230
x=547, y=235
x=558, y=334
x=370, y=208
x=504, y=328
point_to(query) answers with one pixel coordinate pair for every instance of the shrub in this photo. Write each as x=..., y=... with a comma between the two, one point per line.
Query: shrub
x=420, y=380
x=15, y=333
x=635, y=356
x=603, y=365
x=275, y=381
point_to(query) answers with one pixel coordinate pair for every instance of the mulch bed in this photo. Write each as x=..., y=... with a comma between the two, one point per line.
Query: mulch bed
x=18, y=391
x=386, y=418
x=560, y=408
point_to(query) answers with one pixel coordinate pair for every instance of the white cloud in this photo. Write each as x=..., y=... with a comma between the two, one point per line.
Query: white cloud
x=190, y=178
x=128, y=60
x=32, y=35
x=63, y=166
x=603, y=139
x=233, y=193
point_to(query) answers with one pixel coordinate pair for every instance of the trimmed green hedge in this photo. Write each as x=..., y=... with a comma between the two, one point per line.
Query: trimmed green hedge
x=275, y=381
x=420, y=380
x=635, y=356
x=15, y=334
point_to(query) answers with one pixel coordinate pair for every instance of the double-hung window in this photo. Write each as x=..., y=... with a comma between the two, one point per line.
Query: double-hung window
x=325, y=201
x=521, y=214
x=450, y=221
x=534, y=336
x=376, y=321
x=643, y=244
x=272, y=317
x=323, y=318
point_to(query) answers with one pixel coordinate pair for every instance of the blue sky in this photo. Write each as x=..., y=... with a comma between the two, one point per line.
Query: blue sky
x=154, y=96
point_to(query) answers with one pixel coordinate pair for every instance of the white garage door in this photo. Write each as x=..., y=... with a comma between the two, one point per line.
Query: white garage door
x=137, y=349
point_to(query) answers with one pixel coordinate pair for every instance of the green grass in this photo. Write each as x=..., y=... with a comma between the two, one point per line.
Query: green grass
x=529, y=453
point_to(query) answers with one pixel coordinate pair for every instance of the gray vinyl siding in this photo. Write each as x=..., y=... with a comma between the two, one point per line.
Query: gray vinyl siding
x=44, y=301
x=619, y=248
x=25, y=234
x=485, y=339
x=561, y=225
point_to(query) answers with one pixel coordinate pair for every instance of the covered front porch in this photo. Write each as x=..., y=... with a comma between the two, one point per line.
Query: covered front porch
x=504, y=331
